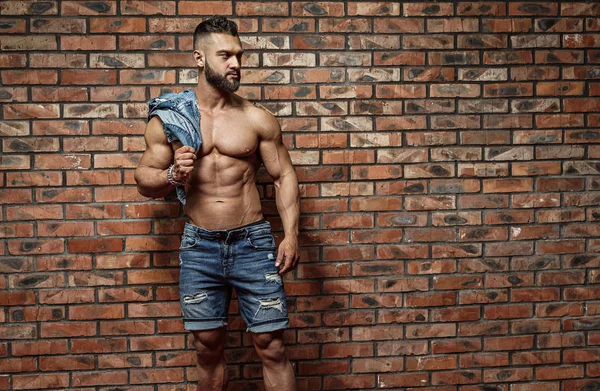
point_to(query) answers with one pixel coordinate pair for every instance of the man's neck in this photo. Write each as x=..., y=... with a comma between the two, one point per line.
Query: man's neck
x=211, y=99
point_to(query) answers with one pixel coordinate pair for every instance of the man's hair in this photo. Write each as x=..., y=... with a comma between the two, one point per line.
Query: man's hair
x=215, y=24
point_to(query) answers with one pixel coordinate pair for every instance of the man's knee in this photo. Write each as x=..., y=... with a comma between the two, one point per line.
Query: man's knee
x=270, y=347
x=209, y=345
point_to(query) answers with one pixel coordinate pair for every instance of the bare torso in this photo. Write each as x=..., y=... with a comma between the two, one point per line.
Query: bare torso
x=221, y=192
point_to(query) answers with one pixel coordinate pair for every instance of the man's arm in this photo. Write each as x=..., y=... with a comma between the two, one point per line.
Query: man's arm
x=151, y=173
x=279, y=166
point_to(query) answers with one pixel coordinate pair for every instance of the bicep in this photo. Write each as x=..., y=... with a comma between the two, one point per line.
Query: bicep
x=275, y=156
x=158, y=153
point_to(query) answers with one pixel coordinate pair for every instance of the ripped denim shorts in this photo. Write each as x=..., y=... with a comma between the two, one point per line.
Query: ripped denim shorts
x=214, y=262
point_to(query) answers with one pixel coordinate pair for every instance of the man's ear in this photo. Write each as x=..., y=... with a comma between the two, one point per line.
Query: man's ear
x=199, y=58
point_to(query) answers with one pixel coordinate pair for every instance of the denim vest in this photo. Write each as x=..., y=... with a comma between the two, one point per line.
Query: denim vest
x=181, y=121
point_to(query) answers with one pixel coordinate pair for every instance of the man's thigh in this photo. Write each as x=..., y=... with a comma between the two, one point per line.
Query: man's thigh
x=204, y=296
x=259, y=287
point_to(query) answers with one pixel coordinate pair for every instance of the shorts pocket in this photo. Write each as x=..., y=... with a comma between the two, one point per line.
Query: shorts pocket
x=261, y=241
x=188, y=242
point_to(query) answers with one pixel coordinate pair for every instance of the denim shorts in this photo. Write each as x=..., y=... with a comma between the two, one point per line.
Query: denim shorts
x=214, y=262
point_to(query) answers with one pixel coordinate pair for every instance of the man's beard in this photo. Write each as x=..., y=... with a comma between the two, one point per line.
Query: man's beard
x=219, y=81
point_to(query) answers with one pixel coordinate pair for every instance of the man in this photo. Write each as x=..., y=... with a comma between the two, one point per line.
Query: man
x=208, y=144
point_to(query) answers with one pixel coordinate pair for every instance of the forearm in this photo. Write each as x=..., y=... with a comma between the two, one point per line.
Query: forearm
x=152, y=182
x=288, y=203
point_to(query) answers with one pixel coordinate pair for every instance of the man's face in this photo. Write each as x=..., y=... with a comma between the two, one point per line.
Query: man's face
x=222, y=62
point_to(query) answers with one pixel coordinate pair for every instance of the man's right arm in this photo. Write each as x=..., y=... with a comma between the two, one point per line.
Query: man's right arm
x=151, y=172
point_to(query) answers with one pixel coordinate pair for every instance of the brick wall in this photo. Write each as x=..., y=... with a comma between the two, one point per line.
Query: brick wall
x=448, y=157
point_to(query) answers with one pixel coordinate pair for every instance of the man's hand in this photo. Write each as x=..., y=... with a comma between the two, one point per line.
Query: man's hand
x=183, y=163
x=288, y=255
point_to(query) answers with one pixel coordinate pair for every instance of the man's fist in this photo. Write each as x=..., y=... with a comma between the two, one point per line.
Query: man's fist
x=183, y=163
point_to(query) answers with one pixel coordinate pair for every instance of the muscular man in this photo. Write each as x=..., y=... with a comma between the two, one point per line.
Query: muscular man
x=208, y=143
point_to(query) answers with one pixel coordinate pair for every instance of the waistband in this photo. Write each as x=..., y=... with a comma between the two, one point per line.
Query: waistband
x=229, y=235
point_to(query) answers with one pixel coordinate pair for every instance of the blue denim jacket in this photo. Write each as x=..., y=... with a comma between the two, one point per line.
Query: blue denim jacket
x=181, y=121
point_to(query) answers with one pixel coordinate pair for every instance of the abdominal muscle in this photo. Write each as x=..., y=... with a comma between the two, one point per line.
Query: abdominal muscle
x=221, y=193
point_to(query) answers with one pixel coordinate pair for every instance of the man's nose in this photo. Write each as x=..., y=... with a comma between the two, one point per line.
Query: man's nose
x=235, y=63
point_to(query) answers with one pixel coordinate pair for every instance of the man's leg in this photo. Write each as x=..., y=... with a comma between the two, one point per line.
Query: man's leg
x=209, y=346
x=277, y=370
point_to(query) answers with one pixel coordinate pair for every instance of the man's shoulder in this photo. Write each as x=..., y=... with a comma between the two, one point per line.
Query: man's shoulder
x=265, y=122
x=257, y=111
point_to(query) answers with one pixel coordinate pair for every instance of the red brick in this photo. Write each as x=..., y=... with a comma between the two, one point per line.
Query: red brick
x=153, y=376
x=320, y=8
x=561, y=372
x=38, y=348
x=508, y=25
x=453, y=314
x=40, y=381
x=117, y=25
x=326, y=42
x=509, y=343
x=127, y=327
x=29, y=77
x=16, y=230
x=321, y=368
x=345, y=319
x=458, y=250
x=587, y=293
x=482, y=360
x=67, y=329
x=566, y=309
x=36, y=247
x=29, y=111
x=88, y=76
x=510, y=311
x=124, y=360
x=507, y=375
x=66, y=363
x=99, y=378
x=482, y=234
x=31, y=314
x=157, y=343
x=456, y=377
x=96, y=42
x=540, y=294
x=95, y=278
x=346, y=381
x=10, y=60
x=535, y=326
x=377, y=365
x=456, y=282
x=16, y=365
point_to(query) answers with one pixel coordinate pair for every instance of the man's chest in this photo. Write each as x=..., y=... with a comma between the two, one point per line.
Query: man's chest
x=227, y=136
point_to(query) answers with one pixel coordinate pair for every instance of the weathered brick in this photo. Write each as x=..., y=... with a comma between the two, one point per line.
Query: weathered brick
x=506, y=25
x=147, y=42
x=58, y=25
x=317, y=42
x=40, y=381
x=431, y=41
x=29, y=43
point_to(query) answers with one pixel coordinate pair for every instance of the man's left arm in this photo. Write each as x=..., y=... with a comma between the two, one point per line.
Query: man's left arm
x=278, y=164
